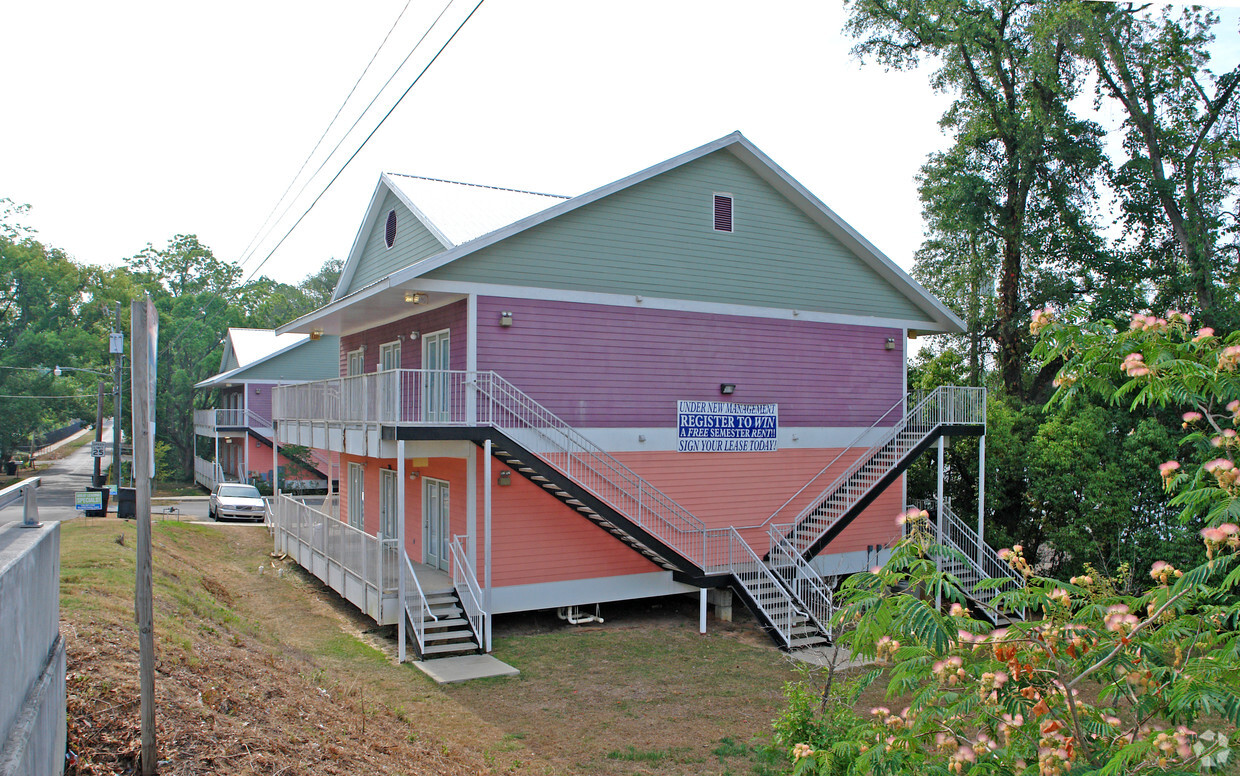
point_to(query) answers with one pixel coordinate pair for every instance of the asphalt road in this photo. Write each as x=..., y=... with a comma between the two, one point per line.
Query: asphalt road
x=73, y=473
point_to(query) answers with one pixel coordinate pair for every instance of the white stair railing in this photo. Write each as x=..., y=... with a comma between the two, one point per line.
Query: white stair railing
x=538, y=430
x=810, y=590
x=944, y=406
x=465, y=582
x=983, y=561
x=415, y=607
x=727, y=552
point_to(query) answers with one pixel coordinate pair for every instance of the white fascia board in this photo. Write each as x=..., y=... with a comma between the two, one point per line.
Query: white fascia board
x=417, y=212
x=305, y=324
x=448, y=256
x=663, y=303
x=229, y=376
x=791, y=188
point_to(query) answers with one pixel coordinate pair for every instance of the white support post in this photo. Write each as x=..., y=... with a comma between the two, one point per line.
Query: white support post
x=275, y=458
x=486, y=520
x=981, y=494
x=400, y=543
x=471, y=505
x=938, y=561
x=702, y=610
x=215, y=465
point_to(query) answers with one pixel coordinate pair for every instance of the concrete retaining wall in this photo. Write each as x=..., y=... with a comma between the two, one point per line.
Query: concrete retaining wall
x=32, y=654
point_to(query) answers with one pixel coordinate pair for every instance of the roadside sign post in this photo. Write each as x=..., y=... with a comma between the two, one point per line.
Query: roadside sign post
x=88, y=500
x=144, y=328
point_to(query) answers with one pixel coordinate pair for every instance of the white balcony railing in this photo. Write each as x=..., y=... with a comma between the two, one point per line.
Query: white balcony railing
x=229, y=418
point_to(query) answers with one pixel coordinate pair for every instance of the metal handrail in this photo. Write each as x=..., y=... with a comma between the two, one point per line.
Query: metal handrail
x=463, y=577
x=733, y=555
x=844, y=451
x=813, y=593
x=938, y=408
x=419, y=624
x=25, y=491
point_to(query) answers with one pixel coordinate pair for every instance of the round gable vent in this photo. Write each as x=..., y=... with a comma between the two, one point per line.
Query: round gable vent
x=389, y=234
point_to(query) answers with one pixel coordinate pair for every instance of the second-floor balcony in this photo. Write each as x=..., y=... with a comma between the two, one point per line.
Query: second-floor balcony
x=211, y=422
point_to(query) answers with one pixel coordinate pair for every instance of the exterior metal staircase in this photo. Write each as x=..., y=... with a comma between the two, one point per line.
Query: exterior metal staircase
x=976, y=560
x=442, y=623
x=782, y=589
x=945, y=411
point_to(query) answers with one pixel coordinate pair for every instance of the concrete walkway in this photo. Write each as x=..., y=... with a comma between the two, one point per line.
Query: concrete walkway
x=449, y=670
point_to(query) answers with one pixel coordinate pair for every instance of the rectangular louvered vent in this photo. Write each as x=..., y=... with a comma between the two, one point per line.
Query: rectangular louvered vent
x=723, y=213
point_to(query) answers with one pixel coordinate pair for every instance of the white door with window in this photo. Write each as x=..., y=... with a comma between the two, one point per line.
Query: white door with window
x=387, y=504
x=389, y=356
x=437, y=385
x=357, y=489
x=436, y=528
x=356, y=364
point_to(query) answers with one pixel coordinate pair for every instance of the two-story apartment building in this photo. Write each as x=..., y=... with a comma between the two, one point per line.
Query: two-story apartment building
x=237, y=431
x=690, y=379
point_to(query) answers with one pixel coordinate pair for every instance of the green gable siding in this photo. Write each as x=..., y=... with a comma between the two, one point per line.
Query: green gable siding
x=414, y=242
x=656, y=238
x=311, y=360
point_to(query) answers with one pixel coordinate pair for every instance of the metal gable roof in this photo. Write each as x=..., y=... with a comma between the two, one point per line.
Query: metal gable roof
x=461, y=212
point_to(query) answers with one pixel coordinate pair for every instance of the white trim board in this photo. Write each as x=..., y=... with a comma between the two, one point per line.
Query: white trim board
x=580, y=592
x=664, y=439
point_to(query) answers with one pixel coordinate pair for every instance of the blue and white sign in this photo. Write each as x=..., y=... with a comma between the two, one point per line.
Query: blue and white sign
x=724, y=427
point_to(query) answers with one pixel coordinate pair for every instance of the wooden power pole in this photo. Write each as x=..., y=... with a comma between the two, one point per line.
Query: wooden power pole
x=144, y=333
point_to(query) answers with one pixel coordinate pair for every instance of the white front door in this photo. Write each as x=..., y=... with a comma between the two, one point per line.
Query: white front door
x=357, y=488
x=437, y=384
x=356, y=364
x=436, y=529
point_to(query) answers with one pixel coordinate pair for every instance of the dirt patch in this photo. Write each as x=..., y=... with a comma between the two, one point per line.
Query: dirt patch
x=253, y=674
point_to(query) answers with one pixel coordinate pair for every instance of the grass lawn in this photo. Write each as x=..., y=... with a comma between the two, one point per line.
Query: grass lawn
x=262, y=670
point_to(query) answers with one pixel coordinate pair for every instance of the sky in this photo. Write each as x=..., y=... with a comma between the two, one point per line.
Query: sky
x=129, y=123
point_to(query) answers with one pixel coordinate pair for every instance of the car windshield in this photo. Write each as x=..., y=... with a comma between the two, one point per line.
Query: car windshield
x=239, y=491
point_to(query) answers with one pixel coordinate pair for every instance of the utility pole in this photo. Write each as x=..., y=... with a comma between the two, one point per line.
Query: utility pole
x=116, y=346
x=97, y=481
x=144, y=328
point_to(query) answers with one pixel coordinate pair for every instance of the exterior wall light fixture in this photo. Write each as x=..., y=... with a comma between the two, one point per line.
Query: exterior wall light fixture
x=414, y=474
x=316, y=334
x=727, y=389
x=891, y=343
x=415, y=297
x=414, y=334
x=505, y=477
x=505, y=319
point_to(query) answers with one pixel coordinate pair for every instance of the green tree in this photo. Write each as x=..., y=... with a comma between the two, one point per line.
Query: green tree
x=1014, y=187
x=1181, y=143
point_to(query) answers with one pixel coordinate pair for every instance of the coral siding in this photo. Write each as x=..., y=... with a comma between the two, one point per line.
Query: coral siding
x=452, y=317
x=604, y=366
x=744, y=489
x=539, y=539
x=536, y=538
x=258, y=398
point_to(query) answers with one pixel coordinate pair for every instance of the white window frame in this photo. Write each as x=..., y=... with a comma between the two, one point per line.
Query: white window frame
x=732, y=199
x=436, y=389
x=386, y=350
x=357, y=496
x=361, y=362
x=388, y=503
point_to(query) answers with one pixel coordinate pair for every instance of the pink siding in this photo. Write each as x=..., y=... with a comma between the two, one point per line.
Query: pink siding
x=536, y=538
x=598, y=365
x=452, y=316
x=744, y=489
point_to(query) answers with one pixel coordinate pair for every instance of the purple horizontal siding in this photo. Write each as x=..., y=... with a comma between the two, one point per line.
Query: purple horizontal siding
x=602, y=366
x=259, y=398
x=450, y=317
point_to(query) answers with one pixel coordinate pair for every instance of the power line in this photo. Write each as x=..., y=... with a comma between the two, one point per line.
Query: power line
x=330, y=124
x=368, y=137
x=357, y=121
x=25, y=396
